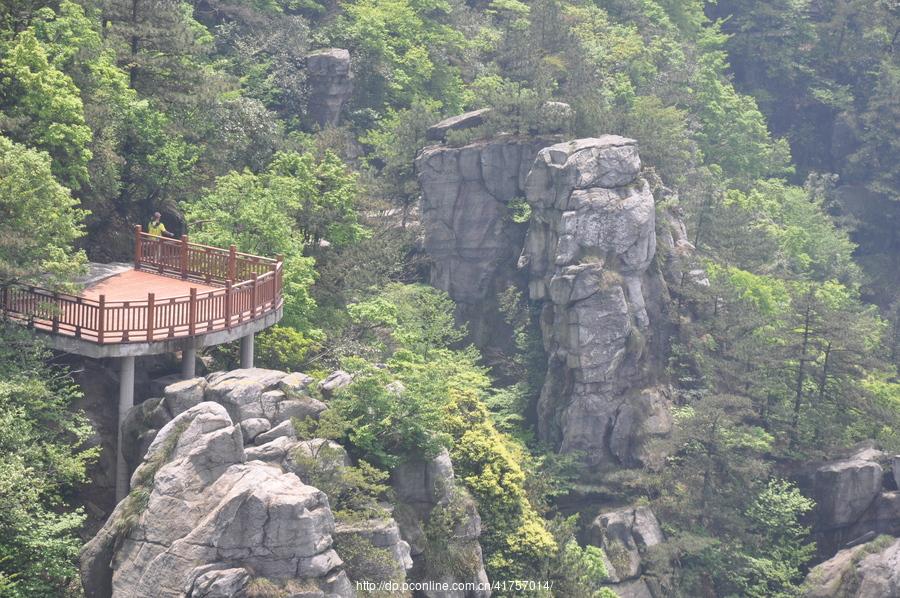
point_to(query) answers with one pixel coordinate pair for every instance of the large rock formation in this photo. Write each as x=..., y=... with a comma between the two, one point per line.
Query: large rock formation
x=200, y=517
x=470, y=234
x=427, y=492
x=625, y=535
x=219, y=506
x=589, y=256
x=855, y=500
x=590, y=253
x=869, y=570
x=330, y=84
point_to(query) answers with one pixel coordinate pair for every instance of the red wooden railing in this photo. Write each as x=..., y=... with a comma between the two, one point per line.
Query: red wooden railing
x=192, y=261
x=251, y=288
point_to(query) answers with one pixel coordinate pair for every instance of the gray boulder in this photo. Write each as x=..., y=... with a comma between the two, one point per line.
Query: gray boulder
x=421, y=488
x=330, y=85
x=895, y=468
x=467, y=120
x=843, y=490
x=284, y=429
x=635, y=588
x=241, y=391
x=196, y=503
x=624, y=535
x=184, y=394
x=382, y=535
x=253, y=427
x=869, y=570
x=210, y=582
x=335, y=381
x=424, y=484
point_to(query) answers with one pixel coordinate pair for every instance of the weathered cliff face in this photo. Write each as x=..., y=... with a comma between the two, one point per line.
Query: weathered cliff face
x=589, y=257
x=470, y=235
x=590, y=246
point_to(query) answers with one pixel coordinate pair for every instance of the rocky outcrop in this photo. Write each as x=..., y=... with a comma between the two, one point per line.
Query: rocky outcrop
x=590, y=255
x=624, y=535
x=869, y=570
x=330, y=85
x=200, y=520
x=855, y=500
x=470, y=235
x=441, y=523
x=219, y=506
x=467, y=120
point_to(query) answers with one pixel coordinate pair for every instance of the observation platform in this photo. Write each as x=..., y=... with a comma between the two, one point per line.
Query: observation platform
x=177, y=296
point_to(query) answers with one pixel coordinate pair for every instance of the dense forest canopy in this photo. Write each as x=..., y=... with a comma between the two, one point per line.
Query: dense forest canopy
x=771, y=126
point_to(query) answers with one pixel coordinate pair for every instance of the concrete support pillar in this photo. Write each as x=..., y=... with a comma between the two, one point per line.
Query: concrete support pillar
x=126, y=402
x=247, y=351
x=188, y=360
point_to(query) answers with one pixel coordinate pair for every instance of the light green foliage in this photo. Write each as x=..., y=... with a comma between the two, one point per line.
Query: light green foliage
x=41, y=107
x=445, y=554
x=735, y=530
x=391, y=425
x=733, y=133
x=576, y=570
x=780, y=547
x=415, y=317
x=795, y=221
x=427, y=397
x=488, y=462
x=297, y=201
x=39, y=220
x=324, y=193
x=283, y=348
x=42, y=459
x=767, y=294
x=366, y=562
x=354, y=492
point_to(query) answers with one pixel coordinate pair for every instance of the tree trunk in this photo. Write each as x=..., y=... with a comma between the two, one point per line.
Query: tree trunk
x=801, y=375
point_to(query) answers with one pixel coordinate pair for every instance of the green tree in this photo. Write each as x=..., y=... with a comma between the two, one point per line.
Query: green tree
x=39, y=220
x=42, y=458
x=41, y=107
x=401, y=49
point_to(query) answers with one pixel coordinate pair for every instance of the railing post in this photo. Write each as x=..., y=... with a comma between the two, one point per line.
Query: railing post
x=160, y=256
x=127, y=316
x=184, y=256
x=56, y=309
x=151, y=301
x=101, y=320
x=274, y=283
x=137, y=247
x=253, y=294
x=192, y=312
x=232, y=262
x=227, y=304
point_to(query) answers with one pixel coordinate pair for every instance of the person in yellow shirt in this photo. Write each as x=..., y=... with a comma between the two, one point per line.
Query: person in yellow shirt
x=156, y=228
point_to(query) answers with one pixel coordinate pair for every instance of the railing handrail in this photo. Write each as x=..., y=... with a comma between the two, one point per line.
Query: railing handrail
x=258, y=293
x=171, y=241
